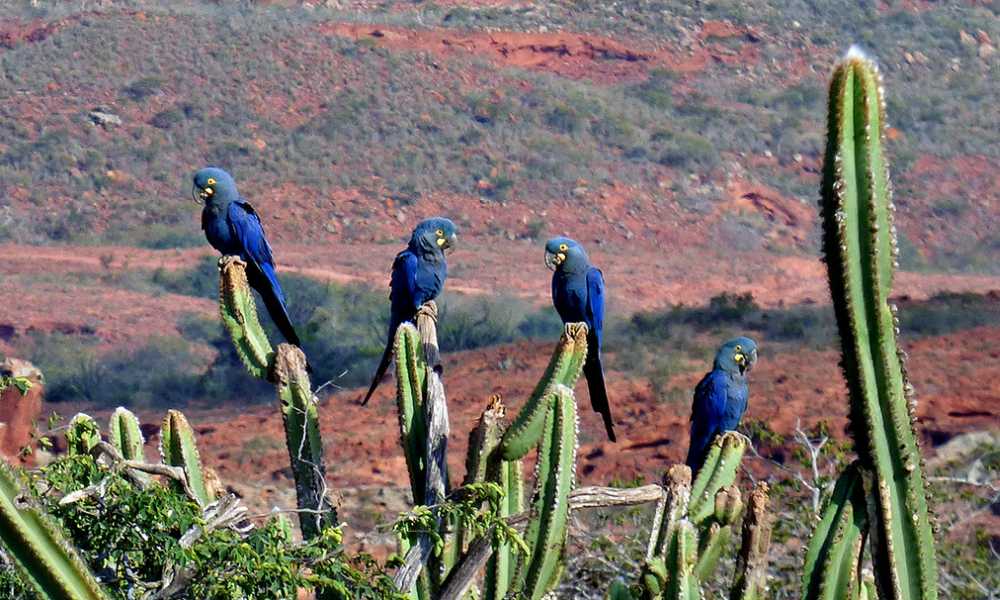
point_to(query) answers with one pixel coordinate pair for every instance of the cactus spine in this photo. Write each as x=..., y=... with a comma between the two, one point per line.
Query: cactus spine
x=239, y=315
x=833, y=560
x=555, y=474
x=82, y=434
x=860, y=245
x=305, y=446
x=125, y=434
x=178, y=448
x=564, y=368
x=47, y=560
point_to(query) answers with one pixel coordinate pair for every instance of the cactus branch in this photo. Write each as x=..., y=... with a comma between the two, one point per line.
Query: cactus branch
x=239, y=315
x=833, y=559
x=860, y=243
x=750, y=582
x=564, y=368
x=46, y=559
x=302, y=437
x=178, y=449
x=555, y=476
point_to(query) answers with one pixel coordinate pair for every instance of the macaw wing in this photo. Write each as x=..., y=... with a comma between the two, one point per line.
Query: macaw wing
x=403, y=284
x=707, y=412
x=595, y=301
x=710, y=395
x=246, y=227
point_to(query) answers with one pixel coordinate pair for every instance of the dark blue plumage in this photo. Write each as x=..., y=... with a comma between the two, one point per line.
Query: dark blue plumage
x=233, y=228
x=578, y=296
x=418, y=276
x=721, y=397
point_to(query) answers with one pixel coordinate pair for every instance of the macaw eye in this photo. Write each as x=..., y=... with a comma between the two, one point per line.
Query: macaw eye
x=440, y=232
x=211, y=181
x=563, y=247
x=739, y=348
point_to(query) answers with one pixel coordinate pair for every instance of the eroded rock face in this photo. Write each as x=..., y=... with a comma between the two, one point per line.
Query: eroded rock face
x=18, y=414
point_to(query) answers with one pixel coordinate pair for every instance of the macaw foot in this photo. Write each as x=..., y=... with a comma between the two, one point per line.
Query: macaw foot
x=428, y=309
x=226, y=260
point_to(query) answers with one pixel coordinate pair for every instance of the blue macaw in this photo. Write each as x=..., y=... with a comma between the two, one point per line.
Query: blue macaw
x=233, y=228
x=578, y=295
x=418, y=275
x=721, y=397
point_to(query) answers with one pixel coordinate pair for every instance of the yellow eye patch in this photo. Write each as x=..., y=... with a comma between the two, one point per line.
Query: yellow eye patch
x=439, y=232
x=211, y=181
x=563, y=247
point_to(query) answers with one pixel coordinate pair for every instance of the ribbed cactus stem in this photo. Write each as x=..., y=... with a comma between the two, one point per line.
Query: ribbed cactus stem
x=178, y=448
x=683, y=583
x=125, y=434
x=239, y=315
x=750, y=582
x=482, y=462
x=554, y=479
x=564, y=369
x=305, y=445
x=49, y=563
x=677, y=482
x=410, y=378
x=501, y=566
x=716, y=537
x=82, y=434
x=717, y=472
x=860, y=245
x=833, y=560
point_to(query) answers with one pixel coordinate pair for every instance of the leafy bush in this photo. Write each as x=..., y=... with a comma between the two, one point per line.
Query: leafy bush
x=130, y=537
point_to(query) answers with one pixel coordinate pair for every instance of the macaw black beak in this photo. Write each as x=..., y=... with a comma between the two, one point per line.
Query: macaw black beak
x=554, y=259
x=201, y=195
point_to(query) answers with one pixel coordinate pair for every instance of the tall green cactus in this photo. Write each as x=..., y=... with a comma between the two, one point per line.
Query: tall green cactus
x=178, y=448
x=833, y=560
x=46, y=559
x=82, y=434
x=555, y=475
x=859, y=240
x=239, y=315
x=305, y=446
x=564, y=368
x=125, y=434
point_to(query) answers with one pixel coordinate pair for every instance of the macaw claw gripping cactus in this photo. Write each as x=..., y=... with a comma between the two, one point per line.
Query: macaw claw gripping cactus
x=859, y=240
x=564, y=368
x=178, y=449
x=239, y=315
x=46, y=559
x=305, y=446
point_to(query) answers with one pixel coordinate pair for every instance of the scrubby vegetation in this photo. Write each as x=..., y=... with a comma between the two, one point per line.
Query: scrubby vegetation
x=281, y=117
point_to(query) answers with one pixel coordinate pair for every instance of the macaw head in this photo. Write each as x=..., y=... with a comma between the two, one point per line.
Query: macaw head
x=737, y=356
x=564, y=254
x=213, y=184
x=436, y=233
